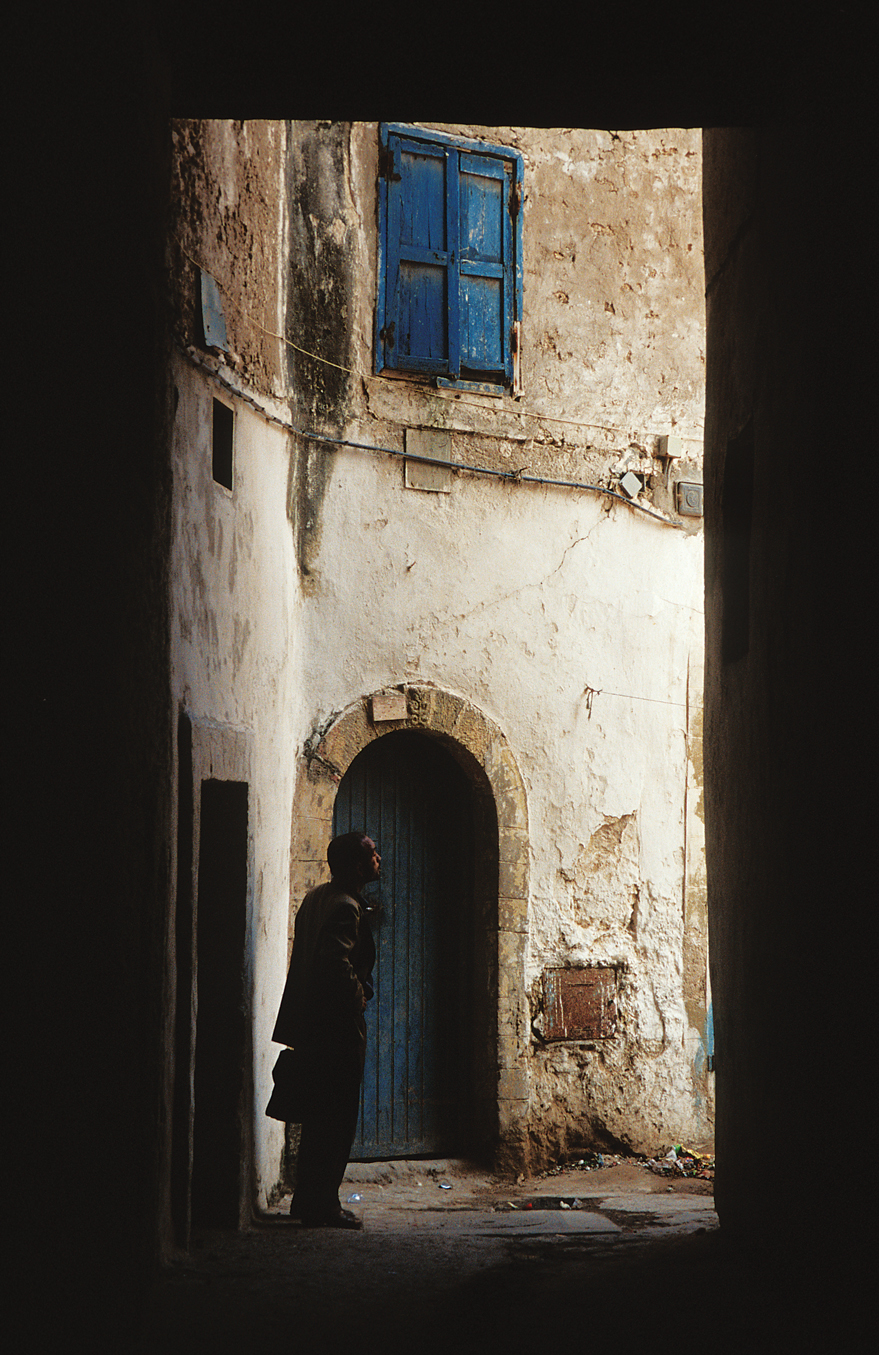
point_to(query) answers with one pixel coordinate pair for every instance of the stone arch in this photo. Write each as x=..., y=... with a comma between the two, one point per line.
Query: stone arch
x=482, y=751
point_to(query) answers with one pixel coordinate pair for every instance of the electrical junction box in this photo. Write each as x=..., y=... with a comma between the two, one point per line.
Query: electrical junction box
x=631, y=484
x=689, y=499
x=670, y=446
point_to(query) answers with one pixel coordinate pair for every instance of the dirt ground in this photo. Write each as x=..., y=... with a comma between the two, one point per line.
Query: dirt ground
x=388, y=1190
x=451, y=1259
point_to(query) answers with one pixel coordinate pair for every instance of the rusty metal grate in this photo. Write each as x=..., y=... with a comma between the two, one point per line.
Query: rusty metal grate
x=580, y=1004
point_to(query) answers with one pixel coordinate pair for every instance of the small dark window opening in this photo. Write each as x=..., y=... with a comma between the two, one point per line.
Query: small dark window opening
x=736, y=514
x=224, y=422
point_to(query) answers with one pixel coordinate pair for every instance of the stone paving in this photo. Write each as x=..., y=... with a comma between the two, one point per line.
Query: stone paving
x=448, y=1196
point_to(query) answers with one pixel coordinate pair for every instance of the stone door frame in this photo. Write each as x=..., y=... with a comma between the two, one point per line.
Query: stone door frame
x=482, y=751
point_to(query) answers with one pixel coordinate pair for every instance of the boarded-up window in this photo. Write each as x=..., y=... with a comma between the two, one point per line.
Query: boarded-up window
x=580, y=1004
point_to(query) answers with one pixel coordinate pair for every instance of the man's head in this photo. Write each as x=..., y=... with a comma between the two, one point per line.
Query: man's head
x=354, y=857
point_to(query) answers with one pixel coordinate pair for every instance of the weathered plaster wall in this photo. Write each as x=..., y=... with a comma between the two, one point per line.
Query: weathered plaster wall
x=234, y=623
x=228, y=219
x=233, y=635
x=563, y=620
x=783, y=610
x=520, y=598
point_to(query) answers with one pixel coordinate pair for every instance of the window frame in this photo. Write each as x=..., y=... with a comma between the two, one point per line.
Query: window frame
x=446, y=371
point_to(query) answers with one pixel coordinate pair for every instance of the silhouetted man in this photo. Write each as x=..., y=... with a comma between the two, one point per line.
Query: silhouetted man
x=321, y=1016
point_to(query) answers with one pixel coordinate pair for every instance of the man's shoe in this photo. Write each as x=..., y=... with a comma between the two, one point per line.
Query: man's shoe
x=344, y=1219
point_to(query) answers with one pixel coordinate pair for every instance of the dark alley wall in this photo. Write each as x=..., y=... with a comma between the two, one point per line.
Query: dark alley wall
x=787, y=779
x=90, y=733
x=91, y=728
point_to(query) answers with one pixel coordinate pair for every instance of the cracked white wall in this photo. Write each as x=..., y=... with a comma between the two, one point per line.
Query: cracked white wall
x=572, y=621
x=545, y=596
x=525, y=598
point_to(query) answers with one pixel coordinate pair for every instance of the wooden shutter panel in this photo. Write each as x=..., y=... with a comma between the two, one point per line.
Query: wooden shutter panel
x=421, y=311
x=486, y=264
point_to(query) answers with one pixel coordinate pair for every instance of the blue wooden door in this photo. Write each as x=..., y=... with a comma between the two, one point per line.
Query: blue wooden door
x=410, y=796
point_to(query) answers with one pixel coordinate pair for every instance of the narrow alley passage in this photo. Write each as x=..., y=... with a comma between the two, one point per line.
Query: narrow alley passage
x=451, y=1259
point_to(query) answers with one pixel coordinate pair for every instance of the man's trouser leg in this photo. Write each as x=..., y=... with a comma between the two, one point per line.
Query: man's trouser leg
x=328, y=1133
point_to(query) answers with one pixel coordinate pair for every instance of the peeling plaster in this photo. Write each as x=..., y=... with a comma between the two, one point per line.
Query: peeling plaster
x=322, y=579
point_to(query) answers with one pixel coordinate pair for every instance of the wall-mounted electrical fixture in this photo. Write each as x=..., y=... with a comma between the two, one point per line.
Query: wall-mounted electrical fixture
x=632, y=484
x=671, y=447
x=580, y=1003
x=212, y=318
x=689, y=498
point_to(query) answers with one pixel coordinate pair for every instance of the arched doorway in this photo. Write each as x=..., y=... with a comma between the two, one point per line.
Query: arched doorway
x=412, y=797
x=494, y=1069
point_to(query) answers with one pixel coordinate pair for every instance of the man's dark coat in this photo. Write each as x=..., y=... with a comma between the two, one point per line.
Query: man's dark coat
x=330, y=968
x=321, y=1017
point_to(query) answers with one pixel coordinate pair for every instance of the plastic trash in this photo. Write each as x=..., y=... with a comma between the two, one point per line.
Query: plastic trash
x=355, y=1198
x=444, y=1185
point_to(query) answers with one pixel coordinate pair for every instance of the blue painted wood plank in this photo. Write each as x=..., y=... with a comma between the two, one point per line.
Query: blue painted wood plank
x=419, y=882
x=483, y=241
x=483, y=203
x=404, y=792
x=404, y=1131
x=453, y=234
x=473, y=268
x=419, y=236
x=482, y=340
x=423, y=199
x=383, y=1047
x=422, y=310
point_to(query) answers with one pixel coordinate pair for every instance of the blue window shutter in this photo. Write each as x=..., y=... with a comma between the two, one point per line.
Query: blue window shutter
x=486, y=264
x=421, y=297
x=450, y=266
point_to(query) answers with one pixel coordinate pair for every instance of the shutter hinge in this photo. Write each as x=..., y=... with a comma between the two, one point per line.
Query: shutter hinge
x=386, y=334
x=515, y=198
x=516, y=354
x=386, y=165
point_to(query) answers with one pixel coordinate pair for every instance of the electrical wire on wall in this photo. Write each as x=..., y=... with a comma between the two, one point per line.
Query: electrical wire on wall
x=589, y=692
x=370, y=376
x=518, y=476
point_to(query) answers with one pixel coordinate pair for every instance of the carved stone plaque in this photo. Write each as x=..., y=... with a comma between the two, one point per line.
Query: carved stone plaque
x=388, y=706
